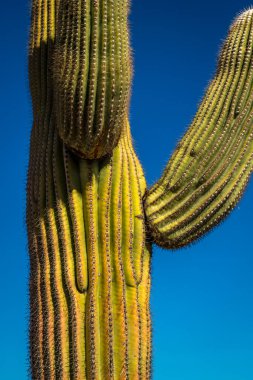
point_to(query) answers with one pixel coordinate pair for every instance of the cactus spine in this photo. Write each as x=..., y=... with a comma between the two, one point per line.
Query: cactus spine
x=87, y=205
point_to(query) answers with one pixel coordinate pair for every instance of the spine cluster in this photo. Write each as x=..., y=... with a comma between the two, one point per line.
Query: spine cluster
x=211, y=165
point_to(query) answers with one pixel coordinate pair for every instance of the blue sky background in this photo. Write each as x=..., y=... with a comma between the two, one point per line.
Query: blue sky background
x=201, y=296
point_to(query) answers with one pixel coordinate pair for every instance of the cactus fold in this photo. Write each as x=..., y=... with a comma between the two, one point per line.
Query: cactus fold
x=88, y=210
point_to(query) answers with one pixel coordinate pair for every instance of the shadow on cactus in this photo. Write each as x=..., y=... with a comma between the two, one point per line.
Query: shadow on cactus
x=88, y=209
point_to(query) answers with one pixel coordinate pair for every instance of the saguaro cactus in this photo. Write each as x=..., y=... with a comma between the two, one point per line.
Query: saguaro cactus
x=90, y=218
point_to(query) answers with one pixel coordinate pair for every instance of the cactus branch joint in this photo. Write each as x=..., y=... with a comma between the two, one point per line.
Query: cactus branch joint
x=91, y=220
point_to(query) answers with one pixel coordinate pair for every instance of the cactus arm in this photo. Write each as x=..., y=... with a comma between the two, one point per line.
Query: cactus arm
x=210, y=168
x=92, y=74
x=79, y=54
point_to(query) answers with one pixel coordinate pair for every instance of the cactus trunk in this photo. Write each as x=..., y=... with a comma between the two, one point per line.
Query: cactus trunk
x=90, y=276
x=90, y=264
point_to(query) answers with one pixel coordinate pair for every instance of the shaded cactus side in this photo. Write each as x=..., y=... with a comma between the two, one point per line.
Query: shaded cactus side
x=87, y=204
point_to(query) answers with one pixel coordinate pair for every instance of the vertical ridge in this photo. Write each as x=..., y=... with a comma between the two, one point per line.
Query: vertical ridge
x=75, y=299
x=106, y=312
x=76, y=212
x=89, y=175
x=120, y=336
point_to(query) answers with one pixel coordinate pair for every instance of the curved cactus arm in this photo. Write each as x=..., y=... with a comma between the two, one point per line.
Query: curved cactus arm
x=208, y=171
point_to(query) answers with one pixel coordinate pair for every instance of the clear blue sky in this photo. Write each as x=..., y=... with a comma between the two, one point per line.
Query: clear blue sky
x=202, y=296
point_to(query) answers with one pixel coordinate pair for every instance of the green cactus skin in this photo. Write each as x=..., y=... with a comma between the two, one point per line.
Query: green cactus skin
x=90, y=67
x=208, y=172
x=88, y=210
x=92, y=73
x=90, y=265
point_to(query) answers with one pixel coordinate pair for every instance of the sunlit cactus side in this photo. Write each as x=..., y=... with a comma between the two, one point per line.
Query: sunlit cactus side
x=208, y=172
x=90, y=218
